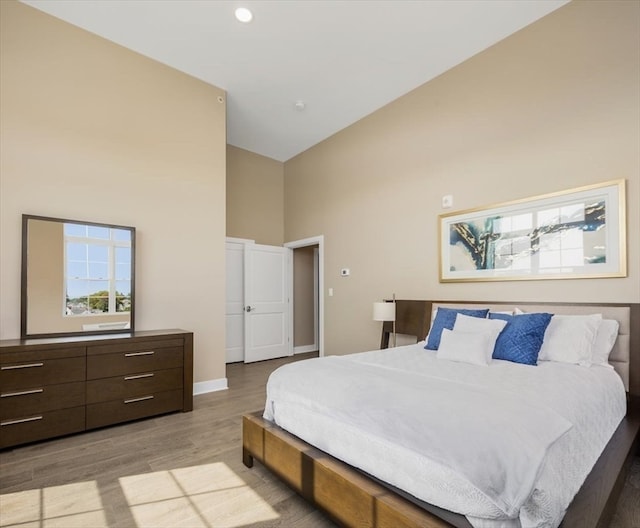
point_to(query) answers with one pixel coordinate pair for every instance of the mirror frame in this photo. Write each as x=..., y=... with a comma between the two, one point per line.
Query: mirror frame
x=24, y=279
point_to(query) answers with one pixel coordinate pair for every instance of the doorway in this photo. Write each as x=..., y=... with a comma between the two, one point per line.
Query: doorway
x=238, y=299
x=305, y=299
x=257, y=301
x=307, y=306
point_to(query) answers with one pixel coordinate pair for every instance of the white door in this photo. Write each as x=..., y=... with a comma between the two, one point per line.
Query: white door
x=235, y=302
x=266, y=317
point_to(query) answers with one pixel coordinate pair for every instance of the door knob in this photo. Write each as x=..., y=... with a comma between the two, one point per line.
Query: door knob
x=248, y=308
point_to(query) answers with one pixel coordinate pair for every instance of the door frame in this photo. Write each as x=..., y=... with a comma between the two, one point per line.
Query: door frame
x=306, y=242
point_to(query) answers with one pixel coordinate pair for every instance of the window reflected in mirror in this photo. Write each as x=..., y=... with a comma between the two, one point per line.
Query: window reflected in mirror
x=78, y=277
x=98, y=270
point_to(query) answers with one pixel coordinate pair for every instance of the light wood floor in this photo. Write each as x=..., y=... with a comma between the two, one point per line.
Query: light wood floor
x=178, y=470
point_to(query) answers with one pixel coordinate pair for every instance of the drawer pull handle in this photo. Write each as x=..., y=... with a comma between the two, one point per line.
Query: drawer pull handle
x=21, y=420
x=13, y=367
x=21, y=393
x=132, y=354
x=138, y=376
x=134, y=400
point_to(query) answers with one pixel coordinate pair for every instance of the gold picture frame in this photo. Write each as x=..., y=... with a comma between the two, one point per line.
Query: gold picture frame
x=574, y=234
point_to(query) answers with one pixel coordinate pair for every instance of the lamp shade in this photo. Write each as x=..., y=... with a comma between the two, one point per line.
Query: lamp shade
x=384, y=311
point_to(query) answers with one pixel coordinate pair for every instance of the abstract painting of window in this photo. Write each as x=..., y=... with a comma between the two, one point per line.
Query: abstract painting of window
x=577, y=233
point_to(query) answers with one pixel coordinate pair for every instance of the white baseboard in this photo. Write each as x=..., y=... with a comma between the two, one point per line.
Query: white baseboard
x=202, y=387
x=305, y=348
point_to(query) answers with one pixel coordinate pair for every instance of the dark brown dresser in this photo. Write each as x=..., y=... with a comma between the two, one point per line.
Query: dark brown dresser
x=52, y=387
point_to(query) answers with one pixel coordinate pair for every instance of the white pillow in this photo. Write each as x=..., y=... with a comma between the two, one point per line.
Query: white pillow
x=467, y=347
x=465, y=323
x=570, y=339
x=605, y=339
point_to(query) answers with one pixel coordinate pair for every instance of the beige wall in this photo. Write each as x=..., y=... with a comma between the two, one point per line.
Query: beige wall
x=92, y=131
x=45, y=277
x=552, y=107
x=303, y=296
x=255, y=197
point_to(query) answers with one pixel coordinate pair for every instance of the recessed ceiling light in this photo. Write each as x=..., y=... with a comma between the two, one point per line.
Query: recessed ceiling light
x=244, y=15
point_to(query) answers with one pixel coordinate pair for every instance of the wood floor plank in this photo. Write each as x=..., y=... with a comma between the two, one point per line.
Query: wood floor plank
x=124, y=460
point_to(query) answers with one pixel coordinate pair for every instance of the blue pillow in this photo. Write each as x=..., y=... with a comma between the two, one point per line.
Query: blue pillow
x=446, y=318
x=521, y=339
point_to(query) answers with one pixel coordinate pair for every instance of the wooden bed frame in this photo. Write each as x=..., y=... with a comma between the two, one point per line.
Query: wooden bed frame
x=355, y=499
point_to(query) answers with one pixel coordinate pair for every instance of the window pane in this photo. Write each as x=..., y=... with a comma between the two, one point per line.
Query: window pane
x=123, y=254
x=548, y=217
x=76, y=251
x=573, y=257
x=98, y=270
x=123, y=287
x=572, y=238
x=76, y=301
x=502, y=225
x=76, y=307
x=550, y=242
x=123, y=296
x=99, y=297
x=572, y=213
x=98, y=232
x=99, y=302
x=521, y=245
x=123, y=271
x=75, y=230
x=503, y=247
x=98, y=253
x=502, y=262
x=99, y=286
x=520, y=222
x=77, y=288
x=77, y=270
x=595, y=246
x=550, y=259
x=121, y=234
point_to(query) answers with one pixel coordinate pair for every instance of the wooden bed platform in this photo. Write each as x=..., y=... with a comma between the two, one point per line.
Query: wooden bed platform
x=354, y=499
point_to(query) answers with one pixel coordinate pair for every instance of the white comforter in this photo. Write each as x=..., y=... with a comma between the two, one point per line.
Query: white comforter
x=505, y=445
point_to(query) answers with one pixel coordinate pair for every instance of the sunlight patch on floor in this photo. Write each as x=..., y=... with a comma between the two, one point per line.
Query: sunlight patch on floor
x=200, y=497
x=69, y=506
x=205, y=496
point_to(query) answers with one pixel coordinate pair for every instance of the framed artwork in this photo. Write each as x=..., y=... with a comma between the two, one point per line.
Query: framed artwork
x=574, y=234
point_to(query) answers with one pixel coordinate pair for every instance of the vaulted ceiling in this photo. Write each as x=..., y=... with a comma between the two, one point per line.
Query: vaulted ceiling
x=302, y=70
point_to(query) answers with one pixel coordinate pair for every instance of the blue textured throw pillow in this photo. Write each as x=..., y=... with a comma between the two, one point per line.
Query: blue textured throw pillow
x=521, y=339
x=446, y=318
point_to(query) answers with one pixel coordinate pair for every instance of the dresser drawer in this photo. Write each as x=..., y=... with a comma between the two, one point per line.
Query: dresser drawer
x=107, y=413
x=133, y=385
x=39, y=426
x=23, y=402
x=132, y=362
x=135, y=346
x=30, y=374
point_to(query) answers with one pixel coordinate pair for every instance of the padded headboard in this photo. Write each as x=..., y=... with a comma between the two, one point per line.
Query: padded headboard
x=414, y=318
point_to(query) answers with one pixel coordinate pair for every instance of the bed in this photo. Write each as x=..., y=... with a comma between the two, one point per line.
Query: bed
x=366, y=492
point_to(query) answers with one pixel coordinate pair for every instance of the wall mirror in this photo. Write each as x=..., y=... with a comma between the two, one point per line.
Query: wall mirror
x=77, y=278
